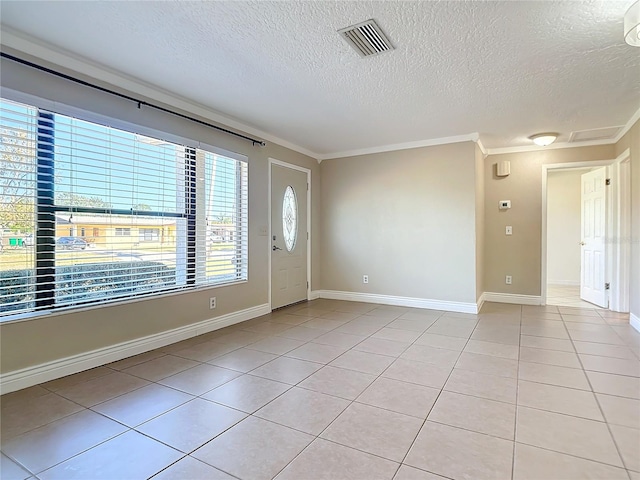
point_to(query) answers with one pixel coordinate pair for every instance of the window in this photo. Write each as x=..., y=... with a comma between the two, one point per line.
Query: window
x=289, y=218
x=153, y=207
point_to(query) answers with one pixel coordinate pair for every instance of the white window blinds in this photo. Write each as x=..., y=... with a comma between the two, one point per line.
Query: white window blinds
x=92, y=213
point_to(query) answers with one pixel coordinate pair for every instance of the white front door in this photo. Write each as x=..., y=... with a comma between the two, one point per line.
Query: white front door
x=594, y=228
x=288, y=236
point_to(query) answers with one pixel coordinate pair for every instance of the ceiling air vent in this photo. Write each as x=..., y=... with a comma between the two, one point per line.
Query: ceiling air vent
x=366, y=38
x=608, y=133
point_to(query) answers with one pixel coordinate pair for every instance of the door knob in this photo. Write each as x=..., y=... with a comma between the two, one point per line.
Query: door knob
x=276, y=248
x=582, y=243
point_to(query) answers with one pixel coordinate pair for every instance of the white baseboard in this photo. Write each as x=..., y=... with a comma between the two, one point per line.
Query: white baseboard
x=634, y=320
x=314, y=294
x=512, y=298
x=564, y=283
x=27, y=377
x=480, y=302
x=460, y=307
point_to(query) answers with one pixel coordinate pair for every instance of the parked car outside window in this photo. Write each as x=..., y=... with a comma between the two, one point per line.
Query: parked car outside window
x=71, y=243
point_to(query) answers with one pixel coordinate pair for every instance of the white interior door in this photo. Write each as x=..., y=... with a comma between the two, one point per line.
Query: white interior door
x=593, y=225
x=288, y=236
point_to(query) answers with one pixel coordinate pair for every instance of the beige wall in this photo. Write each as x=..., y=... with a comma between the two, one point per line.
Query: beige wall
x=47, y=338
x=480, y=193
x=406, y=219
x=563, y=227
x=632, y=141
x=519, y=255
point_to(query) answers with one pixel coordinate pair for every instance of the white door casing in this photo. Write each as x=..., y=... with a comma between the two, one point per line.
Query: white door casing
x=289, y=246
x=593, y=229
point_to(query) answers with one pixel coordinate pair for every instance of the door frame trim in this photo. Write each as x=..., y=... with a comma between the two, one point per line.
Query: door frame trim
x=279, y=163
x=620, y=233
x=543, y=244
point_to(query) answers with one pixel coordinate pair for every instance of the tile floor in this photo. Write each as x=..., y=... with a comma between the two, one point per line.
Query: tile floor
x=338, y=390
x=566, y=296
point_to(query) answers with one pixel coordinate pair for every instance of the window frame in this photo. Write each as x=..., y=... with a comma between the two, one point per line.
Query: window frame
x=45, y=220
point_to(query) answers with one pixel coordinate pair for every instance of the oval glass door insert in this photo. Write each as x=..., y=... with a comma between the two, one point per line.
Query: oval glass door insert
x=289, y=218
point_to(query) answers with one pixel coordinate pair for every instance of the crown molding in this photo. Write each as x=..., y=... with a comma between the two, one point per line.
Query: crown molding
x=66, y=59
x=553, y=146
x=471, y=137
x=632, y=121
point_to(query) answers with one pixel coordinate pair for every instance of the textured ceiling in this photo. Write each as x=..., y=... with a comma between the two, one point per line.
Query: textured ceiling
x=504, y=69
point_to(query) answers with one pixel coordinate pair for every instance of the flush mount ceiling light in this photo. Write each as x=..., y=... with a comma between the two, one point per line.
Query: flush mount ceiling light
x=543, y=139
x=632, y=25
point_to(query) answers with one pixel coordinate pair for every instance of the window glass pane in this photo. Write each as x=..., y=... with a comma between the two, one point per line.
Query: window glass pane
x=289, y=218
x=18, y=127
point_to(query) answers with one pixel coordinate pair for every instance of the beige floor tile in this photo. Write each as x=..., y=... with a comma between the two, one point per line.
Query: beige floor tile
x=584, y=319
x=315, y=352
x=77, y=378
x=289, y=319
x=346, y=464
x=421, y=314
x=286, y=370
x=205, y=351
x=354, y=307
x=434, y=356
x=338, y=339
x=456, y=453
x=243, y=359
x=549, y=329
x=276, y=345
x=584, y=332
x=382, y=347
x=136, y=359
x=619, y=410
x=130, y=455
x=569, y=401
x=302, y=333
x=502, y=367
x=413, y=325
x=492, y=387
x=324, y=324
x=20, y=397
x=418, y=373
x=247, y=393
x=616, y=366
x=540, y=316
x=33, y=413
x=102, y=389
x=546, y=343
x=562, y=433
x=266, y=449
x=452, y=327
x=410, y=473
x=200, y=379
x=476, y=414
x=339, y=382
x=340, y=316
x=10, y=470
x=239, y=338
x=533, y=463
x=553, y=375
x=388, y=315
x=267, y=328
x=578, y=311
x=401, y=397
x=491, y=348
x=628, y=442
x=305, y=410
x=506, y=334
x=633, y=475
x=363, y=362
x=549, y=357
x=397, y=335
x=441, y=341
x=374, y=430
x=359, y=327
x=58, y=441
x=142, y=404
x=191, y=469
x=619, y=385
x=192, y=424
x=604, y=350
x=160, y=368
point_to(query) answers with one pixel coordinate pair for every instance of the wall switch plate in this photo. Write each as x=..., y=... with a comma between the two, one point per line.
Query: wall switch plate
x=212, y=303
x=507, y=280
x=365, y=278
x=509, y=230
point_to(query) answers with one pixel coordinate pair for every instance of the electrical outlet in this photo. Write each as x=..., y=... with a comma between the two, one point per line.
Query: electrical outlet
x=365, y=278
x=509, y=230
x=212, y=303
x=507, y=280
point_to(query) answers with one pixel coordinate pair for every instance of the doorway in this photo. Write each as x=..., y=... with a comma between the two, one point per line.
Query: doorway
x=584, y=255
x=289, y=233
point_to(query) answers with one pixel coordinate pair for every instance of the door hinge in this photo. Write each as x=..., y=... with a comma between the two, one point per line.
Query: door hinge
x=307, y=235
x=607, y=286
x=307, y=285
x=607, y=181
x=307, y=186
